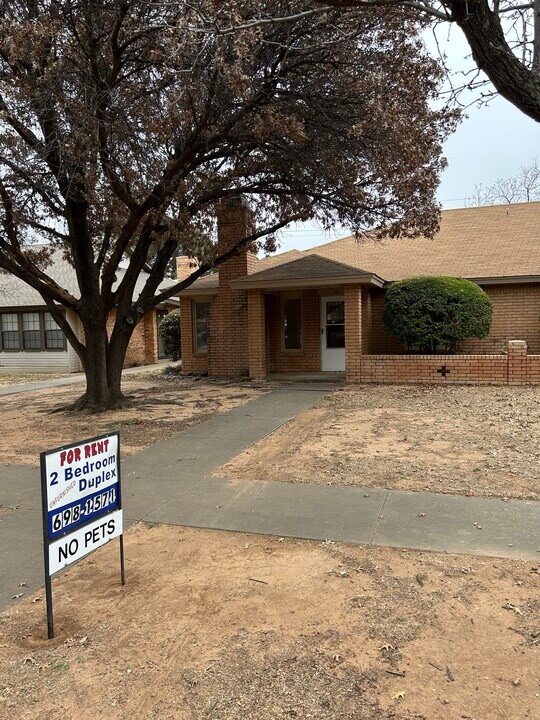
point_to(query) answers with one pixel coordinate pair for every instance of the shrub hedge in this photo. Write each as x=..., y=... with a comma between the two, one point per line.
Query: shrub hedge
x=169, y=331
x=433, y=313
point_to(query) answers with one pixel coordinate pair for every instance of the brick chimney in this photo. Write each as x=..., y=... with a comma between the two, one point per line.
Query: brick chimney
x=228, y=342
x=185, y=266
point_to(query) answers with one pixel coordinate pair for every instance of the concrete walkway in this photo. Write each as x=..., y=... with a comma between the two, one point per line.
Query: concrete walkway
x=73, y=379
x=170, y=482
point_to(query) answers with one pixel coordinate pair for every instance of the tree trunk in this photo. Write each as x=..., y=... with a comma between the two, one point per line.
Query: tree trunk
x=103, y=365
x=484, y=33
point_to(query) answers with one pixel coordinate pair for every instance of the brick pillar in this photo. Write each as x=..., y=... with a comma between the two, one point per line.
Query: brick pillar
x=228, y=325
x=517, y=362
x=367, y=326
x=353, y=332
x=185, y=266
x=150, y=338
x=257, y=335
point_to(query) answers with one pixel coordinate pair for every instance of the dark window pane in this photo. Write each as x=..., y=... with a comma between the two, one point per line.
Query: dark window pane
x=10, y=340
x=31, y=340
x=201, y=326
x=10, y=331
x=54, y=336
x=335, y=312
x=31, y=336
x=54, y=339
x=335, y=336
x=292, y=319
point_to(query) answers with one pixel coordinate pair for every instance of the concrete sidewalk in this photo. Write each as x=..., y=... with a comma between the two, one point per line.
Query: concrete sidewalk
x=74, y=378
x=171, y=483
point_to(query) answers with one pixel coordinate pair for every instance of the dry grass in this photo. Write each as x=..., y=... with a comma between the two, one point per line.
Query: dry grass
x=460, y=440
x=237, y=627
x=161, y=406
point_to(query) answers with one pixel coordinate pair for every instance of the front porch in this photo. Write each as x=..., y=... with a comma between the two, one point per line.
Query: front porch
x=312, y=334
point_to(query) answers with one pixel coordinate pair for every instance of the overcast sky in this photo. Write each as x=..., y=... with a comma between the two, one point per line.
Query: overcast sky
x=492, y=142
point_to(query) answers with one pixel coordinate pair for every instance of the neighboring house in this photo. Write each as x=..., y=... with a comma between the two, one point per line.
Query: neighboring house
x=31, y=341
x=322, y=309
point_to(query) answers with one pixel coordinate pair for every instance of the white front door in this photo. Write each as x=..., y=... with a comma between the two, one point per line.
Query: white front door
x=333, y=334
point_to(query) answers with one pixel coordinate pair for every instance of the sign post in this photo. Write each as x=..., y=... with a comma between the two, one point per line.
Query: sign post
x=81, y=505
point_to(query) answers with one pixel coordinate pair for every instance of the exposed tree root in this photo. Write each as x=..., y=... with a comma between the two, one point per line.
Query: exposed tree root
x=91, y=406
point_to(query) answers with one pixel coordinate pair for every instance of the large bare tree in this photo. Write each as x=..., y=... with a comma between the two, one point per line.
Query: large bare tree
x=122, y=127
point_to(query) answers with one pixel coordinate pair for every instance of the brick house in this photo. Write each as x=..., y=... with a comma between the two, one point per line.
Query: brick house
x=31, y=341
x=321, y=310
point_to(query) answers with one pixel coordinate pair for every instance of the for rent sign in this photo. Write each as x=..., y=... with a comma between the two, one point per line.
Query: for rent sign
x=81, y=483
x=81, y=503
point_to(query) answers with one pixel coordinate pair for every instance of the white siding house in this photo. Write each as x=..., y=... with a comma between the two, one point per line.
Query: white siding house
x=30, y=340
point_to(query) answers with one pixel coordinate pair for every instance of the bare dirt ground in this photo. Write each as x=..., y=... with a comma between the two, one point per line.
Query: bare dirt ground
x=162, y=405
x=11, y=378
x=459, y=440
x=237, y=627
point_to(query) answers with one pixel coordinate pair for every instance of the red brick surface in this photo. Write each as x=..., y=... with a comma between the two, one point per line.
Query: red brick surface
x=353, y=332
x=142, y=348
x=515, y=367
x=228, y=321
x=308, y=359
x=256, y=335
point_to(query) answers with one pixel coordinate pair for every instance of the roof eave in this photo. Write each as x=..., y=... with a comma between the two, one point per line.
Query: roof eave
x=360, y=279
x=506, y=280
x=197, y=292
x=493, y=280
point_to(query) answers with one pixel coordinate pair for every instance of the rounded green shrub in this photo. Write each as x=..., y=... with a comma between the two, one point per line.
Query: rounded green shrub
x=432, y=314
x=169, y=331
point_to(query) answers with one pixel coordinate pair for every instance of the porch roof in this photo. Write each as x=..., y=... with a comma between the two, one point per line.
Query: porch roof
x=307, y=271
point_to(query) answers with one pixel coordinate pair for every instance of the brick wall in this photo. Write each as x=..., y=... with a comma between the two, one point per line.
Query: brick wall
x=514, y=367
x=308, y=359
x=142, y=348
x=516, y=313
x=228, y=320
x=185, y=266
x=381, y=342
x=367, y=320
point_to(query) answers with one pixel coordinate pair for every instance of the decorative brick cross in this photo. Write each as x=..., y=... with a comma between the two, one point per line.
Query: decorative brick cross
x=444, y=371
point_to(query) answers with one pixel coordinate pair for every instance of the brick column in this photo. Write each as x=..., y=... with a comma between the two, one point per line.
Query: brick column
x=367, y=325
x=353, y=332
x=228, y=325
x=150, y=338
x=517, y=362
x=256, y=335
x=185, y=266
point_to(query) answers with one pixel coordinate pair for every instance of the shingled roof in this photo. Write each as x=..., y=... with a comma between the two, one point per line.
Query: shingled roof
x=483, y=243
x=16, y=293
x=495, y=244
x=306, y=270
